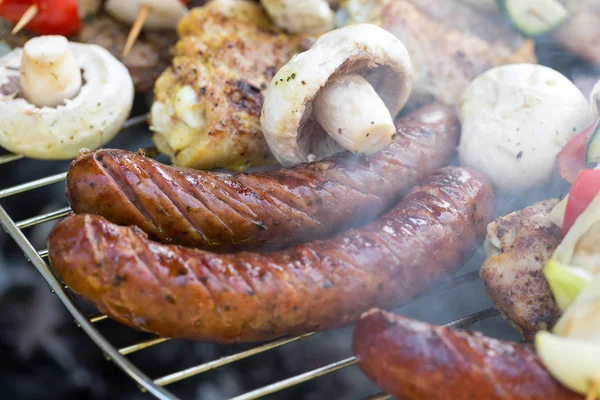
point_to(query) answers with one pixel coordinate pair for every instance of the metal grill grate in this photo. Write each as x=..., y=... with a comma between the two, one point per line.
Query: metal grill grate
x=156, y=386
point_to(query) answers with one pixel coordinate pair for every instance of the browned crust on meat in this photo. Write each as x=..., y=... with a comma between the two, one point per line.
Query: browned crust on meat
x=417, y=361
x=228, y=55
x=180, y=292
x=513, y=274
x=231, y=212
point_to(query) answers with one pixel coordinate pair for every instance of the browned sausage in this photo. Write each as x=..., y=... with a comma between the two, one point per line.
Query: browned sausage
x=189, y=293
x=414, y=360
x=231, y=212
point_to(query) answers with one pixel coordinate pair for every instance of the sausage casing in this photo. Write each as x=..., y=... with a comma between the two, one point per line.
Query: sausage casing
x=189, y=293
x=231, y=212
x=414, y=360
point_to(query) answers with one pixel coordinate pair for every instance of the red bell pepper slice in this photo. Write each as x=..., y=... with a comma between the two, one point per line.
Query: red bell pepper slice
x=572, y=158
x=54, y=17
x=585, y=188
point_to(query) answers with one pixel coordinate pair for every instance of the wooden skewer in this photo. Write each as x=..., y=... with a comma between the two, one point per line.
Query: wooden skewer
x=592, y=388
x=136, y=29
x=29, y=14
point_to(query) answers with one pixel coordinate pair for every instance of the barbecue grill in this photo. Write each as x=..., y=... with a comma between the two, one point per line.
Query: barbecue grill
x=92, y=323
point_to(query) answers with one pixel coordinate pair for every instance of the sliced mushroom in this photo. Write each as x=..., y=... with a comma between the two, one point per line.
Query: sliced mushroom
x=308, y=16
x=343, y=93
x=57, y=97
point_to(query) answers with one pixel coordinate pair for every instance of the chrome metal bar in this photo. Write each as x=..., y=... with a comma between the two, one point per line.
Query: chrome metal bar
x=142, y=345
x=6, y=158
x=40, y=219
x=123, y=363
x=135, y=121
x=43, y=253
x=287, y=383
x=379, y=396
x=178, y=376
x=49, y=180
x=452, y=283
x=293, y=381
x=469, y=320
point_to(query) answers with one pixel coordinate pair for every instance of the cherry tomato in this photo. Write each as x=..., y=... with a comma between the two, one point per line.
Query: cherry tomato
x=54, y=17
x=583, y=191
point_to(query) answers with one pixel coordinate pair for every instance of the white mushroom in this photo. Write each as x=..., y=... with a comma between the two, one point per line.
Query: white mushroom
x=57, y=97
x=515, y=120
x=308, y=16
x=163, y=14
x=49, y=72
x=343, y=93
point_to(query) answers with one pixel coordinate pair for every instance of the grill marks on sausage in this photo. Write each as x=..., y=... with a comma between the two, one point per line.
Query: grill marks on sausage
x=120, y=183
x=271, y=210
x=258, y=296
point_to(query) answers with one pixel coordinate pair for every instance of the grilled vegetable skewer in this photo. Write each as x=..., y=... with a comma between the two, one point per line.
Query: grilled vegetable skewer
x=59, y=97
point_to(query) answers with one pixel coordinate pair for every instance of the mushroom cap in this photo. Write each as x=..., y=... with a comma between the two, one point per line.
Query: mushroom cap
x=515, y=120
x=307, y=16
x=287, y=119
x=89, y=120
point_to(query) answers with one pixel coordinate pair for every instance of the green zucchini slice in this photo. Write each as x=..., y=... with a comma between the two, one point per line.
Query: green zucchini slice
x=592, y=150
x=536, y=17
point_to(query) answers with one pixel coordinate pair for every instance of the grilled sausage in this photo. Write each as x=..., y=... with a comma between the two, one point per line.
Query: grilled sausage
x=231, y=212
x=414, y=360
x=189, y=293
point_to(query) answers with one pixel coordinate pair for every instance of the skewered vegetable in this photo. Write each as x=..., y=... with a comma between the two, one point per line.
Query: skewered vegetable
x=348, y=86
x=571, y=354
x=536, y=17
x=307, y=16
x=45, y=17
x=572, y=158
x=58, y=97
x=516, y=119
x=206, y=112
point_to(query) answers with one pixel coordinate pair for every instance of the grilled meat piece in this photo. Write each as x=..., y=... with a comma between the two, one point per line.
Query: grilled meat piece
x=417, y=361
x=207, y=105
x=232, y=212
x=581, y=31
x=186, y=293
x=518, y=247
x=450, y=44
x=148, y=58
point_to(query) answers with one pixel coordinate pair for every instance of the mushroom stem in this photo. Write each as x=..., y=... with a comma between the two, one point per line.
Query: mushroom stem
x=49, y=72
x=354, y=115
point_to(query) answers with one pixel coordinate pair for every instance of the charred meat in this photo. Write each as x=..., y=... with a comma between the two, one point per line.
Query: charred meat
x=518, y=247
x=207, y=105
x=187, y=293
x=450, y=43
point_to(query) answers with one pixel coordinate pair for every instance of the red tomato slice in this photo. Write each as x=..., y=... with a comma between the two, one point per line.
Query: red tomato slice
x=54, y=17
x=583, y=191
x=571, y=159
